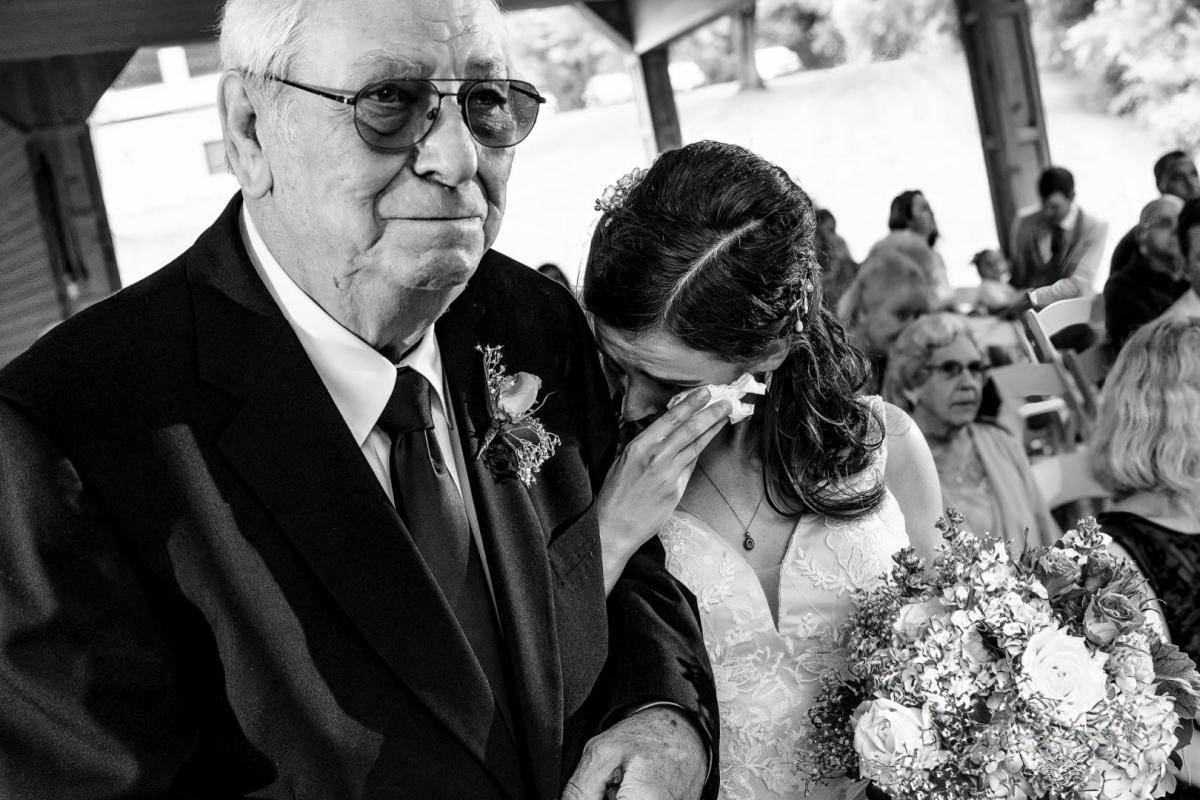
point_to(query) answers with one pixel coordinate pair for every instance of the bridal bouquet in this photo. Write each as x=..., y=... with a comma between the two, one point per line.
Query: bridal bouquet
x=985, y=677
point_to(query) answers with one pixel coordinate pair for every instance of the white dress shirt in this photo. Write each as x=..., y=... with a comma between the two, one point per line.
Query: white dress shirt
x=359, y=378
x=1068, y=226
x=1188, y=305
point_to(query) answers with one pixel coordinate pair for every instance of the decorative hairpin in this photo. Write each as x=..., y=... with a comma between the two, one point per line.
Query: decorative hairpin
x=617, y=194
x=802, y=303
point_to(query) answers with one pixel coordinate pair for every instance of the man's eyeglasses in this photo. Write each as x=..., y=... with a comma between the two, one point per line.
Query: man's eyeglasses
x=952, y=369
x=394, y=114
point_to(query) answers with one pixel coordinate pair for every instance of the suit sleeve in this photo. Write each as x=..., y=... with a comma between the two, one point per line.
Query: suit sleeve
x=656, y=649
x=1092, y=250
x=86, y=692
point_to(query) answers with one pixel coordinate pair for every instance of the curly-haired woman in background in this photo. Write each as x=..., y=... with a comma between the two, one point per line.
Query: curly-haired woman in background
x=699, y=272
x=1146, y=451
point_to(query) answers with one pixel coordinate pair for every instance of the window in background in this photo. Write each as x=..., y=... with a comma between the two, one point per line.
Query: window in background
x=142, y=70
x=203, y=58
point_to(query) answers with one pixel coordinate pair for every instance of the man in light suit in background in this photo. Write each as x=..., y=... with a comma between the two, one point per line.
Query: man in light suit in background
x=1055, y=251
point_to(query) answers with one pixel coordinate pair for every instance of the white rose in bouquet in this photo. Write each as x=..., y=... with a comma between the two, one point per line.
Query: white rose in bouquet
x=888, y=735
x=1060, y=668
x=913, y=618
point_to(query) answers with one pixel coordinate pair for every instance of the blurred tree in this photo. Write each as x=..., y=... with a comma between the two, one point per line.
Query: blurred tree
x=804, y=27
x=1148, y=52
x=1049, y=20
x=710, y=46
x=558, y=51
x=883, y=30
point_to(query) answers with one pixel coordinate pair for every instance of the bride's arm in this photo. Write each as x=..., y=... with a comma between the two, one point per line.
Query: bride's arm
x=913, y=480
x=647, y=480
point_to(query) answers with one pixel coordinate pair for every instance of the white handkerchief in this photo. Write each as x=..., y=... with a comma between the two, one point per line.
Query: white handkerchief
x=732, y=391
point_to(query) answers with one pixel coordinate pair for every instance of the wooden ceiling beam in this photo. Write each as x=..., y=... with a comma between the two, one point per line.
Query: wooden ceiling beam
x=659, y=22
x=36, y=29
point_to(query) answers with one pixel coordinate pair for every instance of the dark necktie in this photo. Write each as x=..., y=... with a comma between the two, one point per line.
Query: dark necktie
x=1058, y=246
x=433, y=511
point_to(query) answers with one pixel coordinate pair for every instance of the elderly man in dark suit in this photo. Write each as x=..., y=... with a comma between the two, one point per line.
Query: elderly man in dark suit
x=312, y=512
x=1055, y=251
x=1174, y=175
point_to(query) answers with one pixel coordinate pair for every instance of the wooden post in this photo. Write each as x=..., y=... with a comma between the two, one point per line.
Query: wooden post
x=745, y=34
x=655, y=101
x=56, y=250
x=1008, y=104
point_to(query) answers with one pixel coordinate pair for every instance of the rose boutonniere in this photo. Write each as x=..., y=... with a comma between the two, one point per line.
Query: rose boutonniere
x=515, y=443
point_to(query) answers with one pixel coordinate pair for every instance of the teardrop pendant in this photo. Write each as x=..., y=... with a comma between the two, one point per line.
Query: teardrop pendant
x=747, y=540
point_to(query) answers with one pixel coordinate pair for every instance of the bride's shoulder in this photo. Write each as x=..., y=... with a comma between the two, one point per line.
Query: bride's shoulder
x=900, y=433
x=911, y=476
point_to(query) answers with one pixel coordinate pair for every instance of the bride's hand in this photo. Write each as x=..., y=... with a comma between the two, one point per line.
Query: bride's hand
x=647, y=480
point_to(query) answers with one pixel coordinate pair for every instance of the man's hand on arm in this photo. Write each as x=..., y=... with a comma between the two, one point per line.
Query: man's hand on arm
x=656, y=753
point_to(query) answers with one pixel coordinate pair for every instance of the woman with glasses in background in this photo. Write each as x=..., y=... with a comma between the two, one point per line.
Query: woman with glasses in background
x=936, y=372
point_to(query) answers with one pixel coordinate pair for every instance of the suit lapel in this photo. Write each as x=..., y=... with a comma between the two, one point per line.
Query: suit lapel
x=293, y=449
x=515, y=542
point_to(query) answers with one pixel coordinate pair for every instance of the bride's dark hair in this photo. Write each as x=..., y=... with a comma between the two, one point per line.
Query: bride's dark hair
x=714, y=245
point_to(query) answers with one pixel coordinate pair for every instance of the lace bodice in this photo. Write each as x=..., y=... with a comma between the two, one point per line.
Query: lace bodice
x=766, y=677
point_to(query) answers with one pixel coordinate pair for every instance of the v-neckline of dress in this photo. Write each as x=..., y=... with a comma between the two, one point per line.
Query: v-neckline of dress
x=762, y=603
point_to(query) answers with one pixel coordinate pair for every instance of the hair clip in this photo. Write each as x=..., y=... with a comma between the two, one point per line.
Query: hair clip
x=616, y=195
x=801, y=302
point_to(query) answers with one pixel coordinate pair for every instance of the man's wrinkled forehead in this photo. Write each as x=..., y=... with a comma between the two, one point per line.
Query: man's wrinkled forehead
x=446, y=20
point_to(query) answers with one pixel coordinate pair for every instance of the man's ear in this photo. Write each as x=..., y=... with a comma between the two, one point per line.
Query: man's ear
x=239, y=122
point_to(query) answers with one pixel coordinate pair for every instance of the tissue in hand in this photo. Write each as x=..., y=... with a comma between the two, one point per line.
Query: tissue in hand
x=732, y=391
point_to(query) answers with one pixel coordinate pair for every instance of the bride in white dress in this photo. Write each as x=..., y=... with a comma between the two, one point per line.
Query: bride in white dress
x=700, y=270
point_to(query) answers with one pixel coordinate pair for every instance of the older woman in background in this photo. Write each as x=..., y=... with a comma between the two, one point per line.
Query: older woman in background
x=936, y=373
x=1146, y=451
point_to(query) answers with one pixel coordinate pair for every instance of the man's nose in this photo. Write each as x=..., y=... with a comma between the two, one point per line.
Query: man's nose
x=448, y=153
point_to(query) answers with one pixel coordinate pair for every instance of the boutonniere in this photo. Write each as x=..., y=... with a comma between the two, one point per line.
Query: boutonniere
x=515, y=443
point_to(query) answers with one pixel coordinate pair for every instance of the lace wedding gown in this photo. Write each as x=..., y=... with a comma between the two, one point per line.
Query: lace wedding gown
x=767, y=677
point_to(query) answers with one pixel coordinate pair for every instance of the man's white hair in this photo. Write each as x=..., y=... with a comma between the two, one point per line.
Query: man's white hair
x=263, y=37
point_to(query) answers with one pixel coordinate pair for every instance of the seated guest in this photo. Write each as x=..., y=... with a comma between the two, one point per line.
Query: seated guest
x=838, y=268
x=1174, y=174
x=914, y=232
x=1146, y=452
x=995, y=294
x=1154, y=280
x=889, y=292
x=936, y=372
x=1056, y=250
x=1188, y=304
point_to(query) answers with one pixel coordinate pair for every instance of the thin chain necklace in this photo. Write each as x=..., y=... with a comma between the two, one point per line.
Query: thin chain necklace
x=747, y=539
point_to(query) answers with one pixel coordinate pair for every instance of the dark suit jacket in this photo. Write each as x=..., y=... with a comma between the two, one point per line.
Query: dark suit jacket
x=204, y=591
x=1085, y=246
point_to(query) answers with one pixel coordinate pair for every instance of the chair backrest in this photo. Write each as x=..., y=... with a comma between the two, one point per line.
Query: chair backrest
x=1067, y=478
x=1042, y=326
x=1059, y=316
x=1033, y=389
x=1088, y=370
